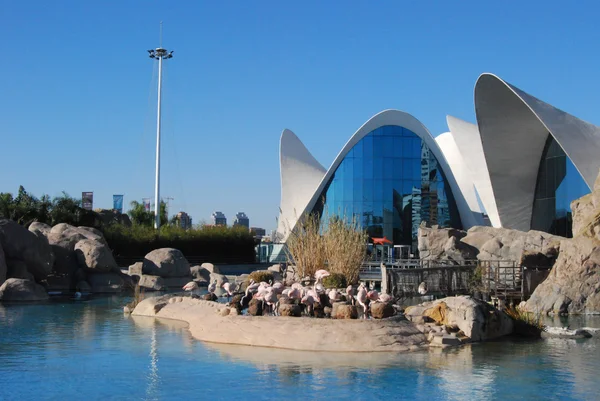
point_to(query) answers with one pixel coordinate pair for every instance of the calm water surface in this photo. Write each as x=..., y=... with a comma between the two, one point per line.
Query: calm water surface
x=90, y=350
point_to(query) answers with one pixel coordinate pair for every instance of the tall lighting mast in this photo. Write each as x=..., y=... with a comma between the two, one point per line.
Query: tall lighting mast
x=159, y=54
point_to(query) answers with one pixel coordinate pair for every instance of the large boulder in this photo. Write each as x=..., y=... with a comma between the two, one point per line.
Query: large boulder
x=18, y=269
x=166, y=262
x=573, y=285
x=106, y=282
x=341, y=310
x=3, y=267
x=220, y=278
x=95, y=256
x=22, y=244
x=586, y=213
x=63, y=246
x=211, y=268
x=443, y=244
x=18, y=289
x=151, y=283
x=381, y=310
x=41, y=228
x=477, y=319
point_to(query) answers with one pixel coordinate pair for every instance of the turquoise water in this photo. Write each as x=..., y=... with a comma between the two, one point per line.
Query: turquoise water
x=90, y=350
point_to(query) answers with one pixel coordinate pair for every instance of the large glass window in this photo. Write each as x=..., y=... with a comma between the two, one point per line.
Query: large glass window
x=558, y=184
x=391, y=182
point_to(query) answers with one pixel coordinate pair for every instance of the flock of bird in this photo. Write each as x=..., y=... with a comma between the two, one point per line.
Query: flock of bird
x=269, y=293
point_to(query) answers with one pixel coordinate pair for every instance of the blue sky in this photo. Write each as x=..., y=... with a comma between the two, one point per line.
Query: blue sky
x=78, y=89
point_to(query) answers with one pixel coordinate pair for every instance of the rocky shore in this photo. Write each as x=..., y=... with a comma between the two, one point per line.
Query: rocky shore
x=460, y=320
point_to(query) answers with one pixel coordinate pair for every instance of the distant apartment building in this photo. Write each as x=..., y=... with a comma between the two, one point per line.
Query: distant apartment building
x=219, y=219
x=258, y=232
x=184, y=220
x=242, y=220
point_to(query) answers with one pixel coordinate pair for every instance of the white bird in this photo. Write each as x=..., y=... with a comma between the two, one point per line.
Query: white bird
x=385, y=298
x=192, y=287
x=278, y=287
x=229, y=288
x=373, y=295
x=422, y=288
x=334, y=295
x=320, y=275
x=350, y=293
x=270, y=298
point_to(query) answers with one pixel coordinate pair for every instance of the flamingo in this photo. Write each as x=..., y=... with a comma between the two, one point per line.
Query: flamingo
x=309, y=301
x=373, y=295
x=271, y=300
x=295, y=293
x=350, y=293
x=320, y=275
x=229, y=288
x=361, y=298
x=422, y=288
x=385, y=298
x=192, y=287
x=278, y=287
x=334, y=295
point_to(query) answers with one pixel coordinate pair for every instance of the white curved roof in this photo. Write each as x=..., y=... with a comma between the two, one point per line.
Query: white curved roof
x=288, y=217
x=301, y=173
x=467, y=139
x=514, y=127
x=460, y=171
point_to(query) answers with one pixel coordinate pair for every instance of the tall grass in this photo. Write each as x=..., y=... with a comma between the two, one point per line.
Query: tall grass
x=525, y=323
x=305, y=246
x=345, y=247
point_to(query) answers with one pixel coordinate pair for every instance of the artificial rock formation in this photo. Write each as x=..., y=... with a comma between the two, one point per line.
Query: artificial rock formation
x=476, y=319
x=95, y=255
x=17, y=289
x=166, y=262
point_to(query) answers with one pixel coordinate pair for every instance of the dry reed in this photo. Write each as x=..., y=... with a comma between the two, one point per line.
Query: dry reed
x=305, y=246
x=345, y=246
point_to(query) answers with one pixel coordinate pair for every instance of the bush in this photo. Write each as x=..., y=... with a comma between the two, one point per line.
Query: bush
x=335, y=280
x=345, y=247
x=305, y=246
x=215, y=244
x=261, y=275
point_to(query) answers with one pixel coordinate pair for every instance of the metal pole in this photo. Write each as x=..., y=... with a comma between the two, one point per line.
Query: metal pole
x=157, y=181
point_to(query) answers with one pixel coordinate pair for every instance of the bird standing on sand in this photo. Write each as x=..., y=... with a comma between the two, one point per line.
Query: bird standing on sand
x=422, y=288
x=192, y=287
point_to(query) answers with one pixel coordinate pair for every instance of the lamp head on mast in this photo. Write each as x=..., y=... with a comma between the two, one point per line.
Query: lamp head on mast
x=159, y=53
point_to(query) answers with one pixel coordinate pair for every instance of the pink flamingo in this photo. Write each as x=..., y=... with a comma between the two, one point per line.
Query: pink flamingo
x=334, y=295
x=320, y=275
x=212, y=287
x=192, y=287
x=385, y=298
x=309, y=301
x=350, y=293
x=229, y=288
x=361, y=298
x=373, y=295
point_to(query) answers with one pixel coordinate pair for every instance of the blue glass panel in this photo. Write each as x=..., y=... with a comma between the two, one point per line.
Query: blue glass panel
x=358, y=150
x=368, y=190
x=377, y=168
x=358, y=169
x=367, y=143
x=407, y=169
x=388, y=146
x=348, y=169
x=378, y=190
x=388, y=168
x=378, y=144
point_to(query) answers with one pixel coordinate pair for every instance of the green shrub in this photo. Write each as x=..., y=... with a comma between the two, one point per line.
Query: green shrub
x=335, y=280
x=261, y=275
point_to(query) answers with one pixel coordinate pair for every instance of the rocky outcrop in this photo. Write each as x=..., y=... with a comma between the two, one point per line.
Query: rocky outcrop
x=95, y=255
x=476, y=319
x=33, y=249
x=41, y=228
x=573, y=285
x=341, y=310
x=151, y=283
x=381, y=310
x=18, y=269
x=166, y=262
x=17, y=289
x=3, y=267
x=207, y=323
x=443, y=244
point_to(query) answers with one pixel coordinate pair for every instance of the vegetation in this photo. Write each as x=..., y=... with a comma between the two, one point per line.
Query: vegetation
x=526, y=324
x=335, y=280
x=340, y=247
x=345, y=247
x=261, y=275
x=305, y=246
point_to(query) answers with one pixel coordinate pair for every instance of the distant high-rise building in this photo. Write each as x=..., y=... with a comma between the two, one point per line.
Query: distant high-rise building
x=241, y=220
x=219, y=219
x=184, y=220
x=258, y=232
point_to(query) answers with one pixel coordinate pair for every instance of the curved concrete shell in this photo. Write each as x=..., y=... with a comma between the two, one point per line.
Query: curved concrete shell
x=514, y=127
x=301, y=173
x=460, y=171
x=468, y=141
x=288, y=217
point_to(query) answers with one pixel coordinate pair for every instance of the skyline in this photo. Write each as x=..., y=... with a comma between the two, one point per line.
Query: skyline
x=79, y=107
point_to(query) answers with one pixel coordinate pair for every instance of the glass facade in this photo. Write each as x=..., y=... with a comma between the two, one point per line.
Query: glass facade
x=558, y=184
x=390, y=182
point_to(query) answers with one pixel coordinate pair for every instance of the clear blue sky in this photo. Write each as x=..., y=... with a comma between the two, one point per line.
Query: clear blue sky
x=78, y=89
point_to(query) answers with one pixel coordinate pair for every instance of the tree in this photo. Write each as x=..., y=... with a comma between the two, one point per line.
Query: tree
x=140, y=216
x=65, y=209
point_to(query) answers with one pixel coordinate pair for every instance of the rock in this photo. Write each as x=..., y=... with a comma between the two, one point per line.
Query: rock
x=166, y=262
x=235, y=303
x=478, y=320
x=573, y=285
x=151, y=283
x=341, y=310
x=445, y=341
x=219, y=277
x=106, y=282
x=63, y=246
x=83, y=286
x=290, y=310
x=135, y=269
x=255, y=308
x=18, y=289
x=94, y=255
x=275, y=268
x=198, y=272
x=564, y=332
x=586, y=214
x=3, y=267
x=210, y=268
x=41, y=228
x=327, y=310
x=19, y=243
x=443, y=243
x=210, y=297
x=381, y=310
x=18, y=269
x=92, y=233
x=178, y=282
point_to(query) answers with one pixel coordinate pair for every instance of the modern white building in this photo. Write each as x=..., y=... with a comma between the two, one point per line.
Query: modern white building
x=519, y=167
